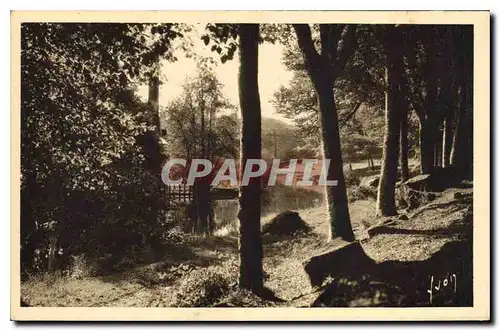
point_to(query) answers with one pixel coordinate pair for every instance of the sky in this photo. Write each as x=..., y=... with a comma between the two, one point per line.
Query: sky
x=272, y=74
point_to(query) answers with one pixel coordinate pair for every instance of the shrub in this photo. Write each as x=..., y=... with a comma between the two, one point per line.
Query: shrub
x=80, y=267
x=351, y=179
x=206, y=287
x=355, y=193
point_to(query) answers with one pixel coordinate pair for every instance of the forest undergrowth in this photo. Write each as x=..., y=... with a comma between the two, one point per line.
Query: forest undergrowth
x=206, y=273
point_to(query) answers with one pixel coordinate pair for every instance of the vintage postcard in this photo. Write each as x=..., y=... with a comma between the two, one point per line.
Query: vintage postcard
x=182, y=166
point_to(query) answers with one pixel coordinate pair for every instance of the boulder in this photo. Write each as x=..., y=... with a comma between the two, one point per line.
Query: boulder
x=419, y=183
x=370, y=182
x=462, y=195
x=347, y=259
x=419, y=190
x=410, y=198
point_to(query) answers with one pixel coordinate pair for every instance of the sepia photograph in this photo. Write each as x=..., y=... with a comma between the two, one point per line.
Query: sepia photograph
x=281, y=162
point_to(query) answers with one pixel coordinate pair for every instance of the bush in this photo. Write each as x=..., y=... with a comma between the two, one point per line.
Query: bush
x=351, y=179
x=179, y=218
x=286, y=223
x=355, y=193
x=206, y=287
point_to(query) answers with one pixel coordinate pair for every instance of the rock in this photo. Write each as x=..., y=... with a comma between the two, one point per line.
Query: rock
x=418, y=191
x=462, y=195
x=370, y=182
x=438, y=180
x=345, y=259
x=410, y=199
x=285, y=223
x=419, y=183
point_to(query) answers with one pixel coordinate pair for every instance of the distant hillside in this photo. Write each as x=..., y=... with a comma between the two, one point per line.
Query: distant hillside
x=269, y=124
x=278, y=138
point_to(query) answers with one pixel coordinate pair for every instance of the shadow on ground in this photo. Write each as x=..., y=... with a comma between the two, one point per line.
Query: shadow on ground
x=352, y=278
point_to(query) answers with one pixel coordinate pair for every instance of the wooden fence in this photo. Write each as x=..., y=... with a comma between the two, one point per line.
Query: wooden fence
x=182, y=194
x=179, y=194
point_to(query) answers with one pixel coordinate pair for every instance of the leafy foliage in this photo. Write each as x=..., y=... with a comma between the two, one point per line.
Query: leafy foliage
x=201, y=122
x=82, y=169
x=223, y=38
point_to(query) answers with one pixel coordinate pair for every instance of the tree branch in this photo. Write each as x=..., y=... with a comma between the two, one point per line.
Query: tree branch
x=348, y=45
x=350, y=115
x=311, y=57
x=325, y=39
x=335, y=34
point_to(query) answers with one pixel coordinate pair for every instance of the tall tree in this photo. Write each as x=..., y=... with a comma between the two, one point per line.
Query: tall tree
x=403, y=145
x=198, y=129
x=432, y=67
x=386, y=204
x=154, y=94
x=422, y=62
x=448, y=94
x=404, y=104
x=337, y=44
x=225, y=42
x=461, y=157
x=251, y=275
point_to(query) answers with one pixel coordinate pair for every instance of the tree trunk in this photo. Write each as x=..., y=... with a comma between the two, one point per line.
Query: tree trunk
x=447, y=139
x=30, y=195
x=202, y=131
x=202, y=205
x=371, y=163
x=338, y=209
x=405, y=108
x=52, y=253
x=462, y=156
x=250, y=245
x=322, y=70
x=438, y=155
x=463, y=144
x=403, y=148
x=153, y=97
x=386, y=202
x=426, y=148
x=275, y=140
x=154, y=150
